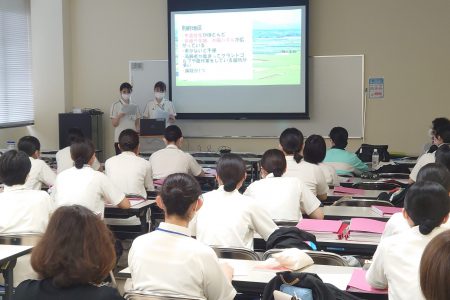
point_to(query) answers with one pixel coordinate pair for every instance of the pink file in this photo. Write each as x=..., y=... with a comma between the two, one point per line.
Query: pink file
x=358, y=281
x=347, y=190
x=319, y=225
x=366, y=225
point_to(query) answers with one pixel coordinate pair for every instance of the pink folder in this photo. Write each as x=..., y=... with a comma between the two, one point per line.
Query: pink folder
x=319, y=225
x=347, y=190
x=366, y=225
x=358, y=281
x=386, y=210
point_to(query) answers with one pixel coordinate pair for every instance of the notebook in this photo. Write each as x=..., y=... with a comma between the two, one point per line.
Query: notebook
x=385, y=210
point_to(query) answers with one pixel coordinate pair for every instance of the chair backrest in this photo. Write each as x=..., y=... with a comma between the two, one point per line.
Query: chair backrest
x=146, y=295
x=285, y=222
x=20, y=239
x=319, y=257
x=235, y=253
x=361, y=202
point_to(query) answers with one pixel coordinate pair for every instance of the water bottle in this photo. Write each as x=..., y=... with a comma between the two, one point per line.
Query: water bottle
x=10, y=145
x=375, y=159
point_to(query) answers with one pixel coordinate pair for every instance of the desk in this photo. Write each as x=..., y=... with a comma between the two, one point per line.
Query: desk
x=367, y=194
x=348, y=212
x=248, y=279
x=8, y=258
x=138, y=210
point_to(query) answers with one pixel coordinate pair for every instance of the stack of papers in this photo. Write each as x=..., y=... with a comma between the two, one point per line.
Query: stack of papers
x=385, y=211
x=365, y=230
x=323, y=229
x=358, y=283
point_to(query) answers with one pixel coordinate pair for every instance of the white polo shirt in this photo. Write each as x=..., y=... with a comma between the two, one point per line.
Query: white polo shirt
x=85, y=187
x=64, y=160
x=396, y=263
x=23, y=210
x=126, y=122
x=330, y=174
x=172, y=160
x=40, y=173
x=169, y=261
x=310, y=174
x=284, y=198
x=230, y=219
x=130, y=173
x=424, y=160
x=153, y=106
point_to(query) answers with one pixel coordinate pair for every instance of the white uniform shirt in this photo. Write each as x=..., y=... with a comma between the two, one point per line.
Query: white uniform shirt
x=64, y=160
x=330, y=174
x=425, y=159
x=130, y=173
x=310, y=174
x=23, y=210
x=126, y=122
x=172, y=160
x=230, y=219
x=396, y=263
x=284, y=198
x=40, y=173
x=169, y=261
x=152, y=108
x=85, y=187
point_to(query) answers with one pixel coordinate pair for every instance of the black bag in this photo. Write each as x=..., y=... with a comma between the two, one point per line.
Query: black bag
x=290, y=237
x=365, y=152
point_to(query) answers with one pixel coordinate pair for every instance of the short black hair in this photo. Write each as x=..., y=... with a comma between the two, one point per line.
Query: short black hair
x=231, y=170
x=161, y=86
x=274, y=161
x=128, y=140
x=14, y=167
x=291, y=140
x=127, y=86
x=173, y=133
x=81, y=152
x=74, y=134
x=178, y=192
x=439, y=122
x=435, y=172
x=29, y=144
x=443, y=155
x=427, y=204
x=444, y=133
x=339, y=136
x=315, y=149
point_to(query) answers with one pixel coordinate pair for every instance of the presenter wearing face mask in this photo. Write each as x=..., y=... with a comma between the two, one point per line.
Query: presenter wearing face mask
x=124, y=114
x=160, y=107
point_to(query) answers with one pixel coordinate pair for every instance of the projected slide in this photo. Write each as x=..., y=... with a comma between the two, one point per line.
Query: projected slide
x=251, y=47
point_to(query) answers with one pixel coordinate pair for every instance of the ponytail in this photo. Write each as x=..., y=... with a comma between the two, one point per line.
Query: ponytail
x=178, y=193
x=274, y=161
x=231, y=170
x=81, y=152
x=297, y=157
x=79, y=163
x=291, y=140
x=427, y=226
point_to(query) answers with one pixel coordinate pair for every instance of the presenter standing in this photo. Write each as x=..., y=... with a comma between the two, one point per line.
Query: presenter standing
x=160, y=107
x=124, y=114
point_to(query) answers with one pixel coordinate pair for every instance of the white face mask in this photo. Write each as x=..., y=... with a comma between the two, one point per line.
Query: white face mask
x=430, y=132
x=159, y=95
x=126, y=97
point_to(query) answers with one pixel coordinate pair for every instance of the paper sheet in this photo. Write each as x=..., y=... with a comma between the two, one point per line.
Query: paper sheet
x=338, y=280
x=129, y=109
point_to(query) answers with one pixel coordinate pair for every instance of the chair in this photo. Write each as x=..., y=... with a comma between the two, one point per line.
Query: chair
x=235, y=253
x=285, y=222
x=20, y=239
x=361, y=202
x=319, y=257
x=146, y=295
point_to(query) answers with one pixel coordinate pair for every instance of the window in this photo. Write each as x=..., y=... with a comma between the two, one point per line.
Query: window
x=16, y=91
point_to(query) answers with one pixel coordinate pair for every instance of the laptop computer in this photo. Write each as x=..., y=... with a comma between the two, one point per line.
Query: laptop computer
x=151, y=127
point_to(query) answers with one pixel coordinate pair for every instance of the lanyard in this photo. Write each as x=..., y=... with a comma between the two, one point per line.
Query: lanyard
x=170, y=231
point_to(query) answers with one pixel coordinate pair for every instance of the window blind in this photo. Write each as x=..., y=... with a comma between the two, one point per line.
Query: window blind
x=16, y=90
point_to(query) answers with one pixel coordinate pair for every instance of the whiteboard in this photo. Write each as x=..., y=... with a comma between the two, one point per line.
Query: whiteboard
x=336, y=98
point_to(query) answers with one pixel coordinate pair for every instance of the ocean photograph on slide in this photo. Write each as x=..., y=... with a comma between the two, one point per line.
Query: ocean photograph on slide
x=238, y=48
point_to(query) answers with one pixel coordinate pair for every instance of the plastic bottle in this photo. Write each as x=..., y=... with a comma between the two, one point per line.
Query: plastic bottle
x=10, y=145
x=375, y=159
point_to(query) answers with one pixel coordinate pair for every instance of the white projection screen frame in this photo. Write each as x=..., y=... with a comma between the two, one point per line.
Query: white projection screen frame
x=239, y=59
x=336, y=92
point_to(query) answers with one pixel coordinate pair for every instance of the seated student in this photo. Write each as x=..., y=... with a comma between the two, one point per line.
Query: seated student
x=345, y=162
x=64, y=160
x=73, y=257
x=229, y=218
x=435, y=268
x=443, y=155
x=172, y=159
x=314, y=152
x=396, y=261
x=21, y=210
x=431, y=172
x=291, y=142
x=83, y=185
x=442, y=137
x=436, y=124
x=168, y=260
x=129, y=172
x=40, y=172
x=284, y=198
